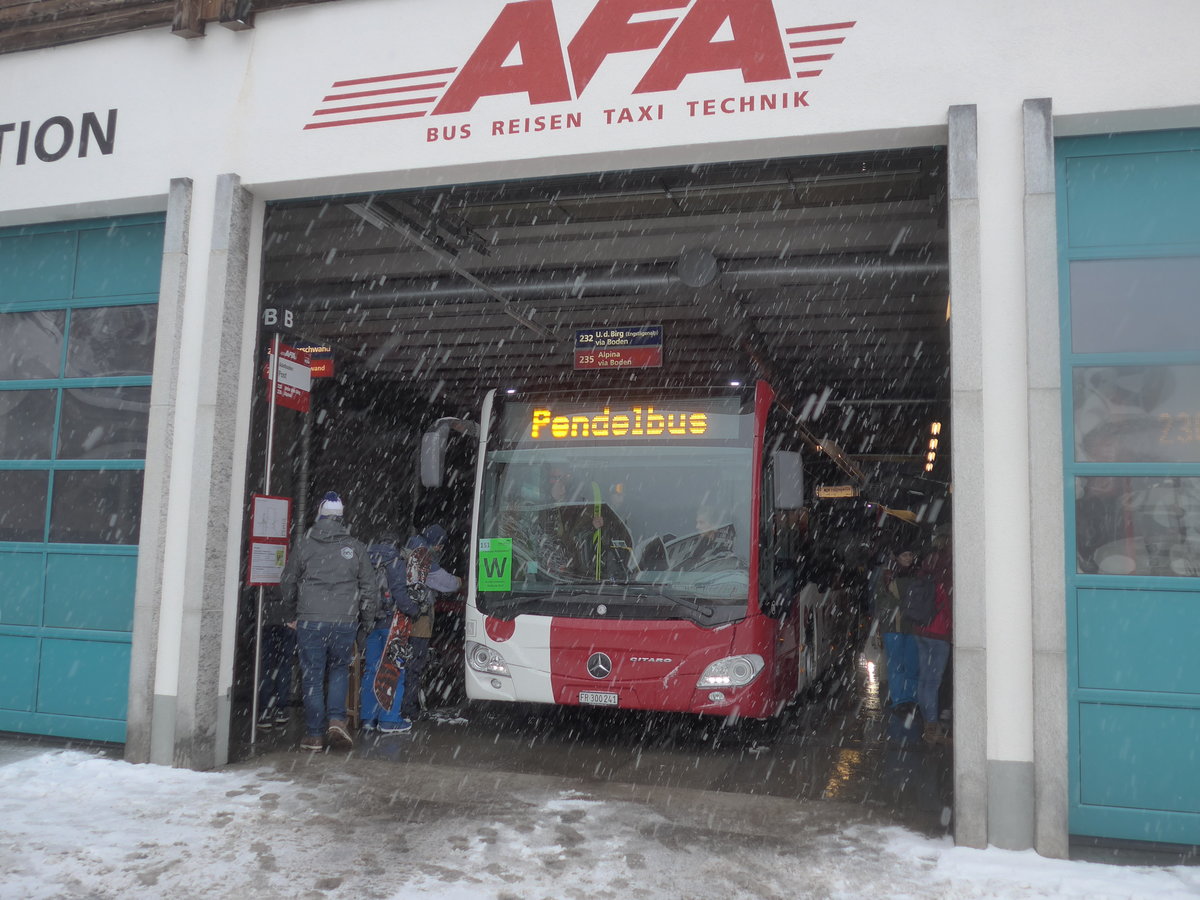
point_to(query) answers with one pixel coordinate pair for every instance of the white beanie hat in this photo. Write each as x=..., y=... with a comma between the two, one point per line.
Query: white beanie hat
x=331, y=507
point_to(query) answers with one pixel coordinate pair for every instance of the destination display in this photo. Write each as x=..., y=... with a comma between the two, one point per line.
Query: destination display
x=639, y=347
x=613, y=420
x=293, y=378
x=639, y=422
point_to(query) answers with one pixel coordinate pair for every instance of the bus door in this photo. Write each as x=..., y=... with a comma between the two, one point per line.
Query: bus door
x=779, y=573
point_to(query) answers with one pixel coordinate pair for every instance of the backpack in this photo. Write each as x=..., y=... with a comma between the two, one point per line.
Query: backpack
x=418, y=562
x=918, y=601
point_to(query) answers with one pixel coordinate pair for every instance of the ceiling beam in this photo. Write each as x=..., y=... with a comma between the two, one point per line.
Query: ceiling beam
x=385, y=219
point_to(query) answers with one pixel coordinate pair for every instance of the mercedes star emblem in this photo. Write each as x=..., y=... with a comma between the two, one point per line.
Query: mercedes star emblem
x=599, y=665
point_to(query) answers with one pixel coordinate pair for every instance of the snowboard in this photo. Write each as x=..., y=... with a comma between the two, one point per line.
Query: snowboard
x=389, y=678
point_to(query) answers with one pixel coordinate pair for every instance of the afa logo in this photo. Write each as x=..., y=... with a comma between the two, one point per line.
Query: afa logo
x=523, y=54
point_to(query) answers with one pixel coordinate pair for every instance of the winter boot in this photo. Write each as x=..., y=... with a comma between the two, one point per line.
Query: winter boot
x=338, y=735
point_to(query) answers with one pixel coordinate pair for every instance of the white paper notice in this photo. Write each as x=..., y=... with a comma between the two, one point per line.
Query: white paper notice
x=266, y=562
x=270, y=517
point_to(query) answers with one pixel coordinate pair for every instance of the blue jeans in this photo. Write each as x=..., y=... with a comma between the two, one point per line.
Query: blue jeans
x=902, y=667
x=372, y=712
x=278, y=659
x=932, y=655
x=325, y=649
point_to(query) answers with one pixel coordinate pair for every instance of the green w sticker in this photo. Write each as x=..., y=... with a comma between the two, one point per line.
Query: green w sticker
x=495, y=564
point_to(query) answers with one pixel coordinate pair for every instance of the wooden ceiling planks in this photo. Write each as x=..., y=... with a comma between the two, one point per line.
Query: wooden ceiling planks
x=26, y=25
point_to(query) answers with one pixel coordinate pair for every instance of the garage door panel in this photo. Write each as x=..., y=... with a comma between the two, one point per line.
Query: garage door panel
x=17, y=687
x=1102, y=189
x=1140, y=757
x=1127, y=290
x=21, y=599
x=78, y=316
x=84, y=678
x=51, y=279
x=119, y=261
x=75, y=726
x=1116, y=627
x=91, y=591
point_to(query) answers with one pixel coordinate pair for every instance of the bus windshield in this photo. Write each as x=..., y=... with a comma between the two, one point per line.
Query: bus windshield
x=642, y=500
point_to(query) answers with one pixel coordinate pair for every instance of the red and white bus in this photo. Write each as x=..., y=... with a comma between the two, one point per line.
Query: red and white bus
x=645, y=549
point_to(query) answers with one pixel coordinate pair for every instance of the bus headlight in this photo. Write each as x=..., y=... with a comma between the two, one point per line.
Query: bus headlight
x=732, y=671
x=485, y=659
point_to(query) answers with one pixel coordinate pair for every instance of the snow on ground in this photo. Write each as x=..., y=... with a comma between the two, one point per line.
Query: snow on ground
x=77, y=825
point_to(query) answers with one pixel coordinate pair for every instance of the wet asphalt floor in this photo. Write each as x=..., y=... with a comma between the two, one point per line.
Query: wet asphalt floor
x=836, y=745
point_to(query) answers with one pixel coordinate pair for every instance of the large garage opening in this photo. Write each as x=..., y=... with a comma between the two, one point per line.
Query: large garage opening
x=825, y=277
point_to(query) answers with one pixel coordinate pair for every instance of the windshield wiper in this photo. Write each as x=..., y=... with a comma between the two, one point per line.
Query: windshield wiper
x=637, y=592
x=541, y=595
x=513, y=603
x=678, y=600
x=575, y=592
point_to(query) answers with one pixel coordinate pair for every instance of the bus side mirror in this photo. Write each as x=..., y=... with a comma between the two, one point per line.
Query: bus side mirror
x=433, y=448
x=433, y=456
x=789, y=479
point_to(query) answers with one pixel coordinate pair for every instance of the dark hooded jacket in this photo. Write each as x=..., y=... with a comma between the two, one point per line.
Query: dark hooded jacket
x=437, y=579
x=328, y=578
x=387, y=558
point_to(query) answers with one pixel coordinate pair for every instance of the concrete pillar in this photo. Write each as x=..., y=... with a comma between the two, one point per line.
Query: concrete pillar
x=202, y=712
x=240, y=346
x=970, y=520
x=143, y=701
x=1007, y=552
x=185, y=609
x=1046, y=485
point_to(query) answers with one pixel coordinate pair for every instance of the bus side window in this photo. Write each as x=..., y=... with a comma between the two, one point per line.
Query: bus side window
x=767, y=597
x=777, y=572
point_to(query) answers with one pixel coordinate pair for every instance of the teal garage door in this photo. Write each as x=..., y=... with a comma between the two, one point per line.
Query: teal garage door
x=1129, y=254
x=77, y=320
